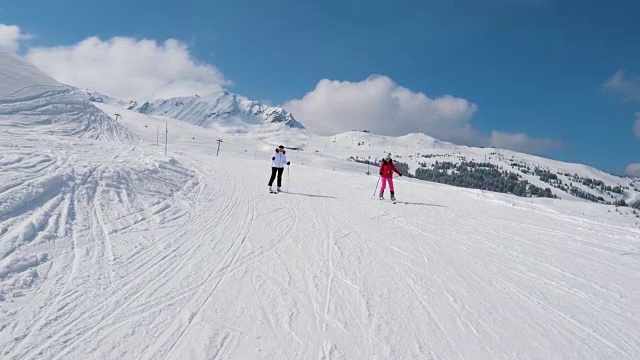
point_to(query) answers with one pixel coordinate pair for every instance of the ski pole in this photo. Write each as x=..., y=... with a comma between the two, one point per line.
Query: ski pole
x=376, y=190
x=287, y=177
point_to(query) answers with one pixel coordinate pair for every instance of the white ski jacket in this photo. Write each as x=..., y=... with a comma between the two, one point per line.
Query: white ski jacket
x=278, y=159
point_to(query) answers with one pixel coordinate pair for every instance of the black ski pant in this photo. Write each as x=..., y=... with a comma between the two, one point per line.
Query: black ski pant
x=278, y=171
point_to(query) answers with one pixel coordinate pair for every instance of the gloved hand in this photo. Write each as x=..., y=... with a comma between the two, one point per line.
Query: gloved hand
x=380, y=173
x=400, y=174
x=288, y=162
x=273, y=158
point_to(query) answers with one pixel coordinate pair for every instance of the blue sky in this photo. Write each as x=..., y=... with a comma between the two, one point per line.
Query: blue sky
x=534, y=67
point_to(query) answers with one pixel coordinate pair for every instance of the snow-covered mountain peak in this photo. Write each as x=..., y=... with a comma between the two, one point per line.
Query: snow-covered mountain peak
x=96, y=97
x=217, y=107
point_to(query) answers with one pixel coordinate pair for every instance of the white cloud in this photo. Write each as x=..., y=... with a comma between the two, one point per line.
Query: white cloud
x=633, y=169
x=626, y=85
x=134, y=69
x=128, y=68
x=10, y=37
x=522, y=142
x=381, y=106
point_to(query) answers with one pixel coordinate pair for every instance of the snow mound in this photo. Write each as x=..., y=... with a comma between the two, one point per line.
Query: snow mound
x=218, y=107
x=20, y=79
x=31, y=101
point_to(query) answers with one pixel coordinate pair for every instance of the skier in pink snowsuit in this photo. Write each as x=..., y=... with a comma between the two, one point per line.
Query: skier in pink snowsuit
x=386, y=173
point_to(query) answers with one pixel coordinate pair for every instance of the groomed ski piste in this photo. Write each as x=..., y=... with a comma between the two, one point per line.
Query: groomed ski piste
x=111, y=250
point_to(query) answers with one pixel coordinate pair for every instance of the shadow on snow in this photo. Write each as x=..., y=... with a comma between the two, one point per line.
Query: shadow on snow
x=310, y=195
x=422, y=204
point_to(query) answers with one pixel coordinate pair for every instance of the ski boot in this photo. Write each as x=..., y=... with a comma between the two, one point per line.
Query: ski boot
x=381, y=197
x=393, y=196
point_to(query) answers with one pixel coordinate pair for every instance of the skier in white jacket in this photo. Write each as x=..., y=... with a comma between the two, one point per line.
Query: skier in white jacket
x=278, y=161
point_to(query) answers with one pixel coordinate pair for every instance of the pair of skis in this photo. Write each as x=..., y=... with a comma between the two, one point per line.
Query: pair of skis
x=392, y=200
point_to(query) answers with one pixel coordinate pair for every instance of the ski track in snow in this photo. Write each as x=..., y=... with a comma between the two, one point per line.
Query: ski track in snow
x=111, y=250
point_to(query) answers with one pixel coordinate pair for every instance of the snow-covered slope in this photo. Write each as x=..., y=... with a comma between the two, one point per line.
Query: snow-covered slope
x=31, y=101
x=217, y=107
x=116, y=251
x=420, y=151
x=230, y=114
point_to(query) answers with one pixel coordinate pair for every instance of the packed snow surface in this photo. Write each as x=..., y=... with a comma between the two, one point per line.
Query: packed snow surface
x=111, y=250
x=114, y=251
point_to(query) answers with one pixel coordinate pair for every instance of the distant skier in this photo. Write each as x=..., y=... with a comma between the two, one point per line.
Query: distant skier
x=278, y=161
x=386, y=173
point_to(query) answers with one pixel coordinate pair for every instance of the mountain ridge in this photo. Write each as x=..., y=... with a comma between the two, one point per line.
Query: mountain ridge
x=217, y=107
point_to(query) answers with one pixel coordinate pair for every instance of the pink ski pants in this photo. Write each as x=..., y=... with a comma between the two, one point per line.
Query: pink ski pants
x=384, y=184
